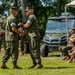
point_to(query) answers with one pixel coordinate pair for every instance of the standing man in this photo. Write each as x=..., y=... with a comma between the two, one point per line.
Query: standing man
x=11, y=38
x=33, y=37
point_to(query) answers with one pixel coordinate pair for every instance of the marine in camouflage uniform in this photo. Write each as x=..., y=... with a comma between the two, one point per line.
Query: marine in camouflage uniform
x=66, y=49
x=11, y=38
x=33, y=37
x=2, y=36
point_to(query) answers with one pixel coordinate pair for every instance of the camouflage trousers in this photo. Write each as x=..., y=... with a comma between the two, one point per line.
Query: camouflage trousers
x=0, y=44
x=23, y=44
x=2, y=41
x=11, y=50
x=65, y=49
x=34, y=49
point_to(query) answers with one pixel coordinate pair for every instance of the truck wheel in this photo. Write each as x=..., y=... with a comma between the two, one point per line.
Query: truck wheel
x=44, y=50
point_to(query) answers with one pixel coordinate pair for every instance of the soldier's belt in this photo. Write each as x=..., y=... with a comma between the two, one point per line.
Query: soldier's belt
x=32, y=34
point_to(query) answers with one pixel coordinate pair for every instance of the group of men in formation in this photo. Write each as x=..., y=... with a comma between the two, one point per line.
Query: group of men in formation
x=28, y=32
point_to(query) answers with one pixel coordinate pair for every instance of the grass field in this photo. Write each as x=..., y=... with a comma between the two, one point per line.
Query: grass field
x=53, y=65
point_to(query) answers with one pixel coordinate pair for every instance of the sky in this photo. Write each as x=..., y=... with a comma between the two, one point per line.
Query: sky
x=0, y=2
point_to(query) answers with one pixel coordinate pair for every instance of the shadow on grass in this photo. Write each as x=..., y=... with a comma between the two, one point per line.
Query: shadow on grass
x=57, y=67
x=54, y=55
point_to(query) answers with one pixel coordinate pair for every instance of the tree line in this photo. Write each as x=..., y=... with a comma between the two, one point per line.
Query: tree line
x=43, y=8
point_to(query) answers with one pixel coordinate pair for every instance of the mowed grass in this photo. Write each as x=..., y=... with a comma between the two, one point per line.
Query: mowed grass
x=52, y=65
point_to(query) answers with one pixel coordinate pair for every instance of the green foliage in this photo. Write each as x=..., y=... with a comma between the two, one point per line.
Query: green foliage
x=42, y=11
x=35, y=3
x=63, y=4
x=1, y=10
x=20, y=16
x=42, y=14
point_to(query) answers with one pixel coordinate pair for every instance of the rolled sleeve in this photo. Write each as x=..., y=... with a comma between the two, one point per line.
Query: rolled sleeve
x=29, y=22
x=13, y=24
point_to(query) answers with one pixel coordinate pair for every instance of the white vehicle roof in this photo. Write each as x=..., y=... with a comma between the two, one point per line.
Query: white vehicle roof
x=62, y=17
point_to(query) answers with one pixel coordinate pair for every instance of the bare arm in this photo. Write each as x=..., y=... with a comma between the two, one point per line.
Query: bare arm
x=15, y=30
x=73, y=40
x=26, y=25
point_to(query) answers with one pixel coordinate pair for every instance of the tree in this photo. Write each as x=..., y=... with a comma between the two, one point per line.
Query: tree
x=24, y=3
x=15, y=3
x=43, y=8
x=59, y=7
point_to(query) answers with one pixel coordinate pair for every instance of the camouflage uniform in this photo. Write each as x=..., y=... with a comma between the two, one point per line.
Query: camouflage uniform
x=11, y=39
x=69, y=46
x=2, y=37
x=33, y=37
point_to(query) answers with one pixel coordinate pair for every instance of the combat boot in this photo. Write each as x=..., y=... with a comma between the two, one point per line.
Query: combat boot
x=65, y=57
x=4, y=66
x=16, y=67
x=38, y=66
x=32, y=66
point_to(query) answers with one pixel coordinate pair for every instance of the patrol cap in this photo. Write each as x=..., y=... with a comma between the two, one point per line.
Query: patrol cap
x=73, y=28
x=14, y=8
x=28, y=8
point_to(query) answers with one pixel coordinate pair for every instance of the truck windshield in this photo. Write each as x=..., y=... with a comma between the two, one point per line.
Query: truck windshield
x=58, y=26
